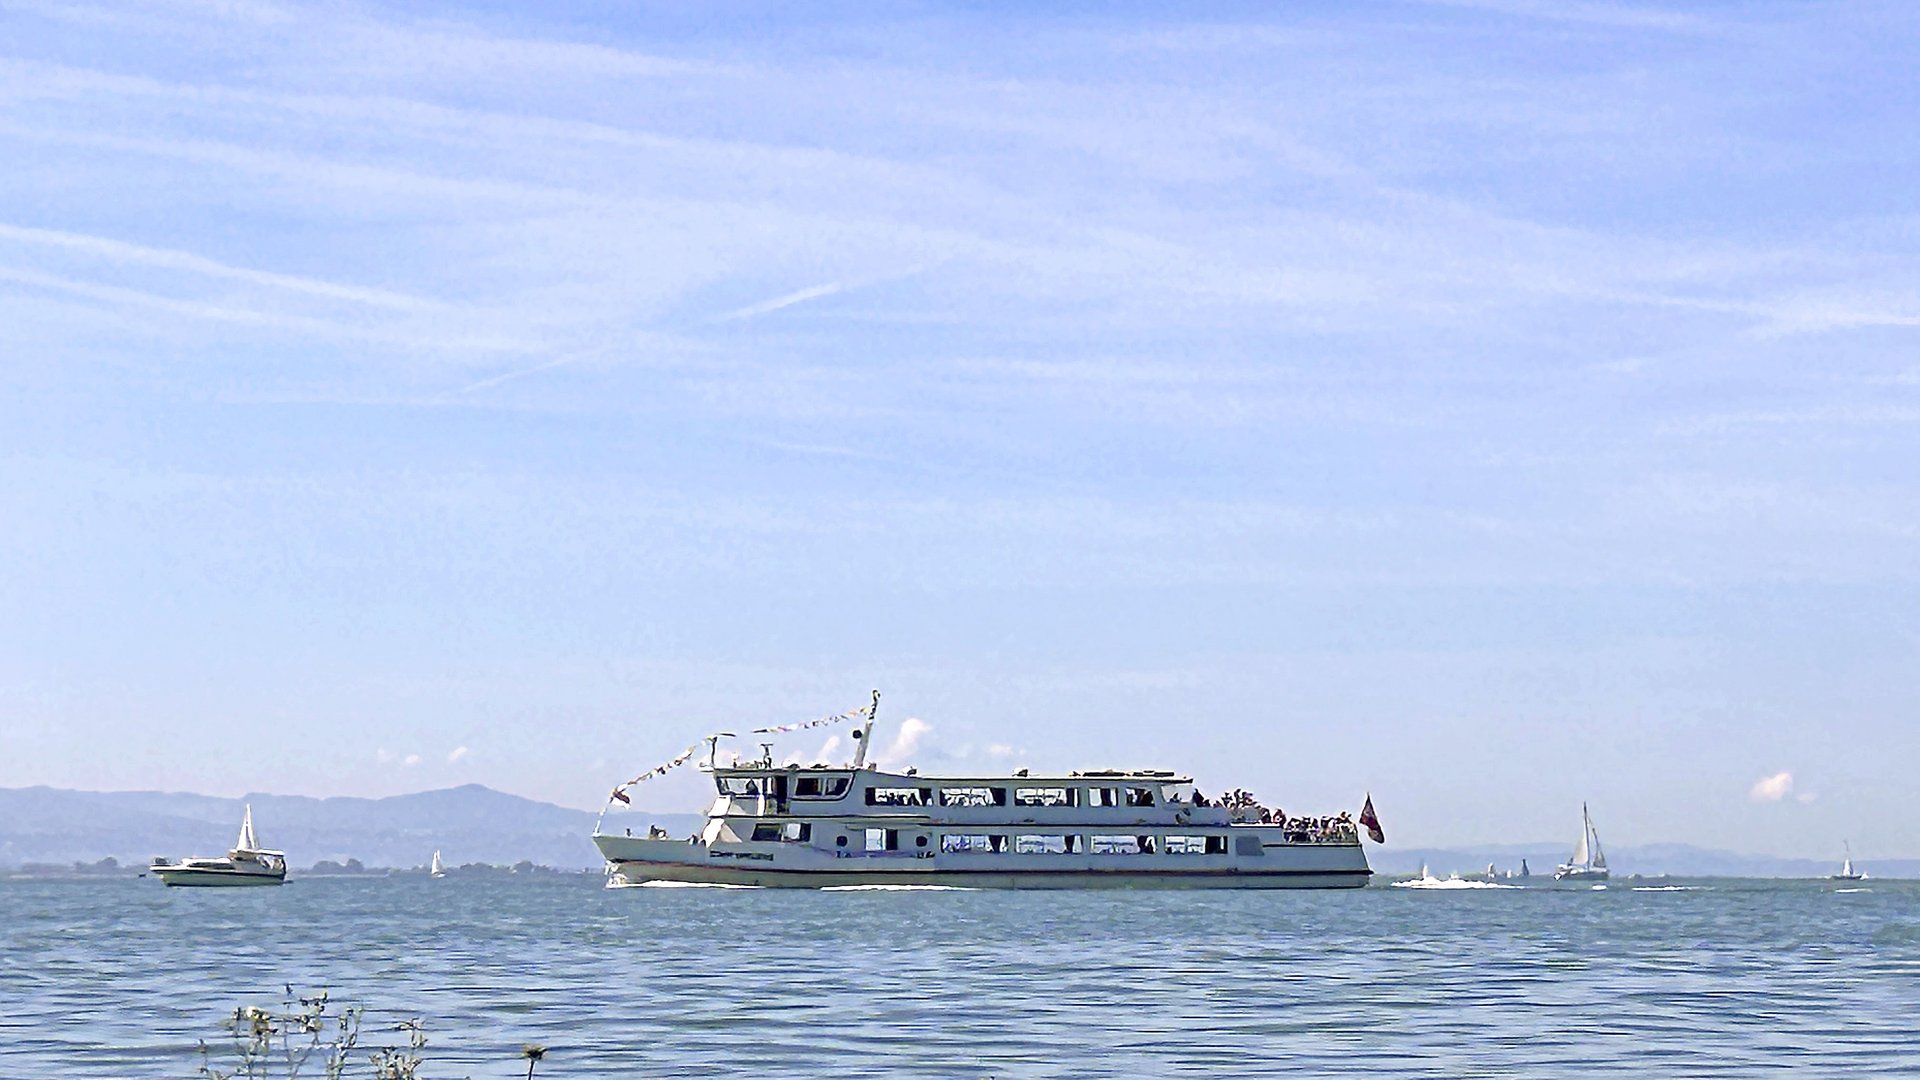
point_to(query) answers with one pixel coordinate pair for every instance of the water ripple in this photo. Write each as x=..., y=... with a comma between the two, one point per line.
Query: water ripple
x=117, y=978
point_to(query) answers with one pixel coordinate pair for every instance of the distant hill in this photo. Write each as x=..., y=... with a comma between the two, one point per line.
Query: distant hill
x=473, y=823
x=470, y=823
x=1681, y=860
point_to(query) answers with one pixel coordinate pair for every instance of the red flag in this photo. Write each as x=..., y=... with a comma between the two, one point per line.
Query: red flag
x=622, y=796
x=1372, y=822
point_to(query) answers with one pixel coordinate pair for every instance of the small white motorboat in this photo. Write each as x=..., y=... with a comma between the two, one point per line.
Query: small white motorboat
x=247, y=864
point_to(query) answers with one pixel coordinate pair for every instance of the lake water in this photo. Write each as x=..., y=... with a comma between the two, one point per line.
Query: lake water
x=125, y=977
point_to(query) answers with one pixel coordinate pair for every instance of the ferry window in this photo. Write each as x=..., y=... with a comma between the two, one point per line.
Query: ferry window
x=1040, y=845
x=919, y=841
x=966, y=842
x=798, y=832
x=766, y=830
x=1172, y=793
x=973, y=796
x=839, y=841
x=820, y=787
x=877, y=839
x=1042, y=796
x=1103, y=796
x=1139, y=796
x=1113, y=845
x=1247, y=845
x=1186, y=845
x=1216, y=845
x=896, y=796
x=739, y=785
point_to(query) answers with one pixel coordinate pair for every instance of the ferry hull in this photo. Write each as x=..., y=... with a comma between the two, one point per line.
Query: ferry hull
x=1303, y=867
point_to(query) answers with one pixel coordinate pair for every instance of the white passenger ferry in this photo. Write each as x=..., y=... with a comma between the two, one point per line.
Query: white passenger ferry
x=816, y=826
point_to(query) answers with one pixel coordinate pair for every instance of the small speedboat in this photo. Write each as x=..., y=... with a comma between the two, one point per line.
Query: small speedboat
x=246, y=864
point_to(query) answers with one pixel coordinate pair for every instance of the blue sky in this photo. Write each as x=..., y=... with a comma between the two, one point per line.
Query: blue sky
x=1490, y=405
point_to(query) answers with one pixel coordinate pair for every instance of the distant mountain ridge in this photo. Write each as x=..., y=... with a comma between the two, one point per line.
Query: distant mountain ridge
x=474, y=823
x=470, y=823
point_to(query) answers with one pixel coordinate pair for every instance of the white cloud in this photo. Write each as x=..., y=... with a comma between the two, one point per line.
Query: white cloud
x=410, y=760
x=1000, y=750
x=799, y=296
x=382, y=756
x=912, y=731
x=1805, y=797
x=1772, y=788
x=458, y=753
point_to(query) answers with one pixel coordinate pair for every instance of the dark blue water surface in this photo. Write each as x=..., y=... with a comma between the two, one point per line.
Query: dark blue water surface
x=124, y=978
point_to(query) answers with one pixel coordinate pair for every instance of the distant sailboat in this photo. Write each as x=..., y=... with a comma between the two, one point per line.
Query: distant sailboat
x=1492, y=874
x=1847, y=872
x=1588, y=862
x=1524, y=872
x=437, y=869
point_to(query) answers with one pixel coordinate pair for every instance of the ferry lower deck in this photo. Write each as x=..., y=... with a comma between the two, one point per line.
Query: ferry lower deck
x=1243, y=857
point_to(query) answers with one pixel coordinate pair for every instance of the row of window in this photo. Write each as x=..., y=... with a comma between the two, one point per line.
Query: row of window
x=1022, y=796
x=835, y=787
x=1016, y=843
x=1074, y=843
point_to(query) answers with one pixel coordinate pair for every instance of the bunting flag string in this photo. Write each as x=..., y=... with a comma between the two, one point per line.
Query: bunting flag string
x=866, y=710
x=620, y=792
x=686, y=755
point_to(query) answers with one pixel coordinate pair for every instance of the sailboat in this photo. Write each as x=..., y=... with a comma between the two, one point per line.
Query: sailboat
x=1589, y=862
x=1847, y=872
x=437, y=870
x=1492, y=874
x=1524, y=872
x=246, y=864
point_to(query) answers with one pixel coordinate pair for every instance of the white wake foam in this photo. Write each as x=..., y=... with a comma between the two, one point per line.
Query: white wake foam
x=1666, y=888
x=1451, y=883
x=1851, y=890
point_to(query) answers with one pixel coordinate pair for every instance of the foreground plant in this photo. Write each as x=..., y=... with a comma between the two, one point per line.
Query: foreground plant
x=308, y=1032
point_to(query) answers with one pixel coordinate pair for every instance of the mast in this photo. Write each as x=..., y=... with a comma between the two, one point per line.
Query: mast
x=1599, y=856
x=865, y=734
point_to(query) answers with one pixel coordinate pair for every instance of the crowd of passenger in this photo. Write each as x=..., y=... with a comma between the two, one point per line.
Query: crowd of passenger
x=1324, y=829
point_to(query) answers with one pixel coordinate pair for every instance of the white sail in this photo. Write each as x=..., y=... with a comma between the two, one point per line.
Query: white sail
x=1846, y=868
x=247, y=842
x=1580, y=855
x=437, y=868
